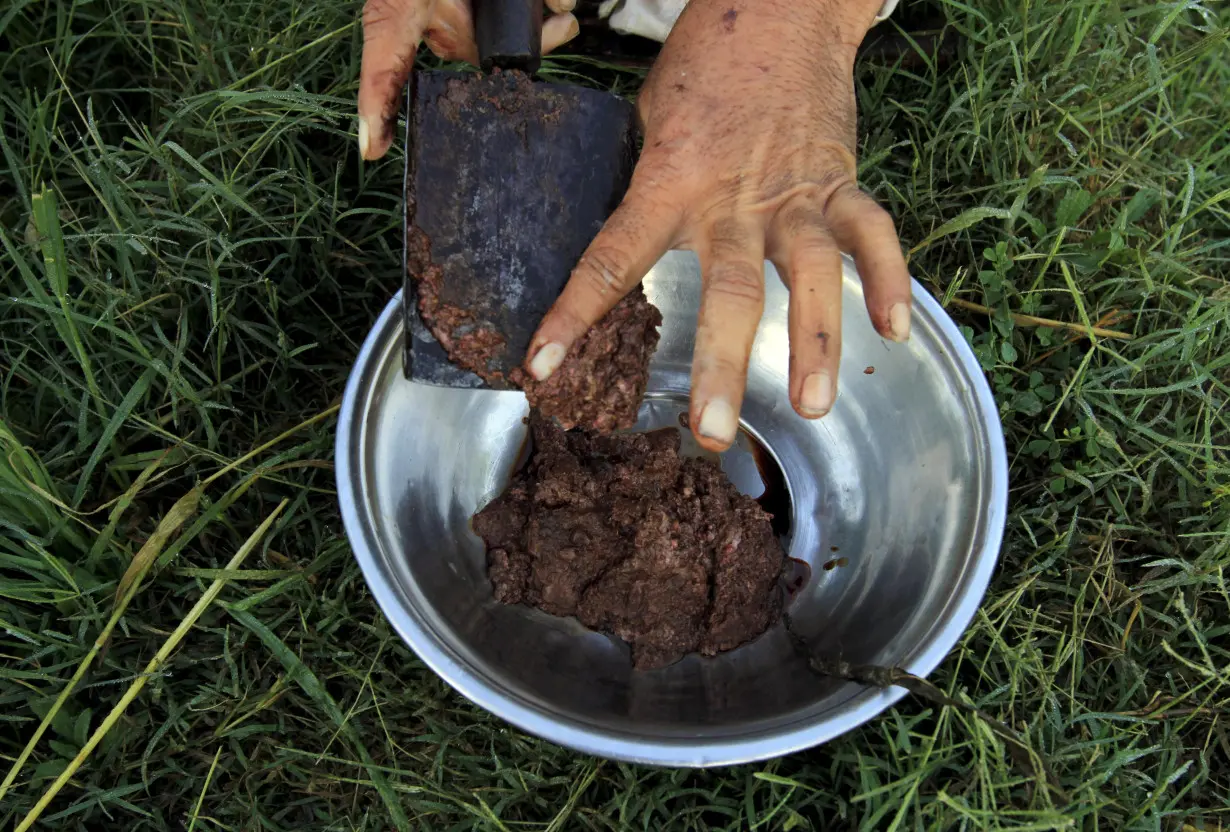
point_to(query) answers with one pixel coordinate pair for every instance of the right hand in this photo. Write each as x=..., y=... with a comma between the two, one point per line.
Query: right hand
x=392, y=30
x=749, y=155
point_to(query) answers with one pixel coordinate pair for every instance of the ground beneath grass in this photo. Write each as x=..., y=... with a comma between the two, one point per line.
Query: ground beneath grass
x=190, y=252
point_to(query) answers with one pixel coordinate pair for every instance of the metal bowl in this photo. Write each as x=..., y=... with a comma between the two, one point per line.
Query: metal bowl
x=904, y=484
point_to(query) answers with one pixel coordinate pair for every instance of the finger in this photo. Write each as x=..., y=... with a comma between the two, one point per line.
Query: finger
x=561, y=6
x=391, y=33
x=732, y=300
x=558, y=30
x=810, y=262
x=450, y=34
x=634, y=237
x=865, y=230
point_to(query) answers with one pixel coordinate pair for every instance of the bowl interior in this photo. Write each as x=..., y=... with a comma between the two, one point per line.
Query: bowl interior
x=898, y=492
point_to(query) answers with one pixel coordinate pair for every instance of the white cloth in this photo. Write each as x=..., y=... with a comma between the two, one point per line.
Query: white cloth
x=653, y=19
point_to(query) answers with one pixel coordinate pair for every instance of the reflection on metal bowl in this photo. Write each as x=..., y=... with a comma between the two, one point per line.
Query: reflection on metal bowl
x=906, y=479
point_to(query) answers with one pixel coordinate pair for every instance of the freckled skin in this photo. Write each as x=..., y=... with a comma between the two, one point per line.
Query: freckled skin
x=749, y=155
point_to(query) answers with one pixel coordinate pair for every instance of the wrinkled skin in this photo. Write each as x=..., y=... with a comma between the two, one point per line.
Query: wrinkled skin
x=749, y=121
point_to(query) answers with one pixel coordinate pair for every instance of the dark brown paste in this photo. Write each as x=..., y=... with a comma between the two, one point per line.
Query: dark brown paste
x=634, y=540
x=603, y=378
x=601, y=383
x=470, y=344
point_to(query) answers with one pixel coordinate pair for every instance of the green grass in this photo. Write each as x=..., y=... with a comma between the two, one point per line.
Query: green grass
x=190, y=252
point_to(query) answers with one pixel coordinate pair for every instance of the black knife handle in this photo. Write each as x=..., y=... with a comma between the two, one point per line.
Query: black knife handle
x=509, y=34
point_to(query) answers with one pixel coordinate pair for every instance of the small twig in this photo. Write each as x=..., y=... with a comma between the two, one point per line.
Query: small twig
x=1029, y=760
x=1031, y=320
x=882, y=677
x=1109, y=319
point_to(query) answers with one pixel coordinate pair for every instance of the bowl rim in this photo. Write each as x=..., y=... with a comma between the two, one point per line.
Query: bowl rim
x=679, y=752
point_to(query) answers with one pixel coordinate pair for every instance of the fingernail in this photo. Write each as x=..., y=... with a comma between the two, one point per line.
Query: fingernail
x=899, y=322
x=365, y=138
x=718, y=421
x=574, y=29
x=817, y=396
x=547, y=360
x=566, y=5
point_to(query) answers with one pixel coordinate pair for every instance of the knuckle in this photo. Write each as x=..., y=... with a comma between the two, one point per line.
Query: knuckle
x=738, y=281
x=830, y=186
x=861, y=208
x=802, y=224
x=873, y=217
x=729, y=238
x=440, y=35
x=709, y=364
x=445, y=43
x=651, y=201
x=800, y=218
x=676, y=160
x=602, y=270
x=817, y=277
x=661, y=173
x=816, y=265
x=566, y=317
x=814, y=259
x=380, y=13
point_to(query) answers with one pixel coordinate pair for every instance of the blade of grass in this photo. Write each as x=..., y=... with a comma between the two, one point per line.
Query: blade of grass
x=121, y=505
x=178, y=514
x=183, y=509
x=55, y=265
x=154, y=665
x=209, y=776
x=966, y=219
x=118, y=417
x=312, y=686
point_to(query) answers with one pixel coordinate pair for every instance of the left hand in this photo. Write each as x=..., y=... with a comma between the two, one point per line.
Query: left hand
x=391, y=33
x=749, y=118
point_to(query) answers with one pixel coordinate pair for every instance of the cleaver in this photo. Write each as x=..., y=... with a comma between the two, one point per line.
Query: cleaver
x=508, y=180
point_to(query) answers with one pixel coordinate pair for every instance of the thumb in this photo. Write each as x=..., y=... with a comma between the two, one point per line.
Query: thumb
x=633, y=239
x=391, y=33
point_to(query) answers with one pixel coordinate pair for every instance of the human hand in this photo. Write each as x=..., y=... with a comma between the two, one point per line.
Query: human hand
x=392, y=30
x=749, y=117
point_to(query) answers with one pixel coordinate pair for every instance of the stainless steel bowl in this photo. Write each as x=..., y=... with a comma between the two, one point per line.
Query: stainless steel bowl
x=906, y=479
